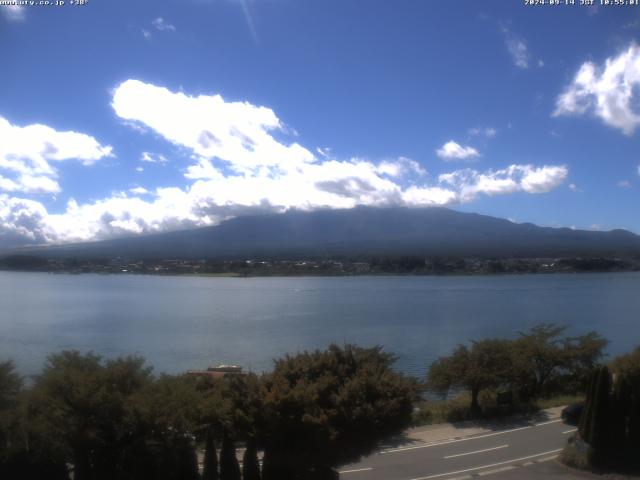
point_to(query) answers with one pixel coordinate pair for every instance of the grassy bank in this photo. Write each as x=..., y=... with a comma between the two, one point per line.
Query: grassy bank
x=456, y=409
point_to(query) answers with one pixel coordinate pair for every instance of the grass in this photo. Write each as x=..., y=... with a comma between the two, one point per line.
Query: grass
x=456, y=409
x=558, y=401
x=575, y=455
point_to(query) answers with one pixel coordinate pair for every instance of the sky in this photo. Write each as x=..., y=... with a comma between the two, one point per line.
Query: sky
x=120, y=118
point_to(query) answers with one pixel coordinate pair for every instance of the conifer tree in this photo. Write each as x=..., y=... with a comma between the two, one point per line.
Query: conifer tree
x=598, y=436
x=250, y=464
x=584, y=427
x=229, y=468
x=210, y=470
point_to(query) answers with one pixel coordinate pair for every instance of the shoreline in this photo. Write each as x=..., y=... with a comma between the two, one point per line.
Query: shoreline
x=320, y=275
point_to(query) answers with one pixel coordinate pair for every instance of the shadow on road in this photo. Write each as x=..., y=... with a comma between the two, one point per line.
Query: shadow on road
x=451, y=431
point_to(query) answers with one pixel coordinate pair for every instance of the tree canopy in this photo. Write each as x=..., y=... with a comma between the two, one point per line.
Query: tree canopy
x=485, y=364
x=536, y=363
x=343, y=401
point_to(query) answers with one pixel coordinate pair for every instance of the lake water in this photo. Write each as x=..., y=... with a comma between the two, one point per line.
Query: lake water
x=180, y=323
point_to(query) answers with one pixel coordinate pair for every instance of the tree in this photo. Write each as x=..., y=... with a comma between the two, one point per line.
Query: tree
x=164, y=414
x=627, y=367
x=210, y=468
x=545, y=361
x=326, y=408
x=607, y=420
x=240, y=408
x=250, y=464
x=229, y=468
x=70, y=398
x=582, y=354
x=597, y=436
x=486, y=364
x=10, y=385
x=114, y=419
x=10, y=388
x=539, y=355
x=628, y=364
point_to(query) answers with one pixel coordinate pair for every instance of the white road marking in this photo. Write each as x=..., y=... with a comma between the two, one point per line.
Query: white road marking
x=465, y=439
x=477, y=451
x=487, y=466
x=547, y=459
x=569, y=431
x=356, y=470
x=547, y=423
x=456, y=440
x=496, y=470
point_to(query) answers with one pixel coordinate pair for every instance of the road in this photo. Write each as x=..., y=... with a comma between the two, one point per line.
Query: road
x=465, y=457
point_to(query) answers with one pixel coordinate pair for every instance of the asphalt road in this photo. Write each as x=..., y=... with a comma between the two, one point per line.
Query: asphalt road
x=465, y=457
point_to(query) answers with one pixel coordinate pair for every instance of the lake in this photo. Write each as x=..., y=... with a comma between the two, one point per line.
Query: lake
x=180, y=323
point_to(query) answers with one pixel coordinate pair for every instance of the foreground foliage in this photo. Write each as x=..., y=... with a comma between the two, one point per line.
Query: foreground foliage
x=539, y=363
x=113, y=419
x=343, y=401
x=608, y=436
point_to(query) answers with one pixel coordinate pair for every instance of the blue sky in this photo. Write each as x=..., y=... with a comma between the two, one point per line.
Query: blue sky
x=121, y=117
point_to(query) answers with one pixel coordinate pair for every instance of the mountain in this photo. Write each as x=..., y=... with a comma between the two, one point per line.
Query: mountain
x=360, y=231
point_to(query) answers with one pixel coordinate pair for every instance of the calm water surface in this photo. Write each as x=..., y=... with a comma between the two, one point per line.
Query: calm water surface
x=179, y=323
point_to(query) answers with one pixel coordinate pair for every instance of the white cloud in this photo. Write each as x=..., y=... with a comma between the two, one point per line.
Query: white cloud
x=236, y=132
x=162, y=25
x=421, y=196
x=399, y=167
x=333, y=184
x=146, y=33
x=518, y=51
x=37, y=184
x=454, y=151
x=239, y=167
x=13, y=13
x=153, y=157
x=488, y=132
x=624, y=184
x=324, y=152
x=22, y=221
x=608, y=91
x=139, y=191
x=28, y=154
x=515, y=178
x=574, y=188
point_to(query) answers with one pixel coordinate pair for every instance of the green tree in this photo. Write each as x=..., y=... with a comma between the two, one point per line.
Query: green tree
x=546, y=362
x=114, y=420
x=164, y=414
x=10, y=388
x=627, y=367
x=628, y=364
x=540, y=354
x=229, y=468
x=582, y=354
x=210, y=468
x=597, y=435
x=326, y=408
x=250, y=464
x=485, y=364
